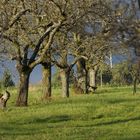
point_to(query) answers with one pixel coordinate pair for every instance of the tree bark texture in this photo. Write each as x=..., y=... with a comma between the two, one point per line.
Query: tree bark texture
x=22, y=99
x=135, y=85
x=92, y=77
x=64, y=74
x=3, y=99
x=46, y=80
x=82, y=75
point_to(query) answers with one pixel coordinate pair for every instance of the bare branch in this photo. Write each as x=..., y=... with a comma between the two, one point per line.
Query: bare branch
x=47, y=46
x=77, y=59
x=18, y=16
x=59, y=7
x=16, y=45
x=37, y=47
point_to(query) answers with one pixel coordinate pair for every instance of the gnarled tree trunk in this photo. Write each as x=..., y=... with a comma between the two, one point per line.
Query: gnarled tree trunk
x=64, y=74
x=92, y=79
x=46, y=80
x=82, y=75
x=3, y=99
x=22, y=99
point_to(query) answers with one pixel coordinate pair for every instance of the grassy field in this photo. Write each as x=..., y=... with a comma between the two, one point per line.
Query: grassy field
x=110, y=114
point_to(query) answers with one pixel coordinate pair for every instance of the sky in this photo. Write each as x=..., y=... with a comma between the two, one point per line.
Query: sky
x=34, y=78
x=36, y=74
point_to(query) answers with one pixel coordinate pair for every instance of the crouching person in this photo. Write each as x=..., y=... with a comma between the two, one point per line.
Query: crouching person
x=3, y=99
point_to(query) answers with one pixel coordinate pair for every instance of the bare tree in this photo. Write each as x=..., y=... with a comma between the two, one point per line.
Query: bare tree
x=28, y=31
x=24, y=38
x=61, y=58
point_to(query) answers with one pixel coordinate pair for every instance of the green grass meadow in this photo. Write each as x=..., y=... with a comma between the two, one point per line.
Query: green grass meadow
x=109, y=114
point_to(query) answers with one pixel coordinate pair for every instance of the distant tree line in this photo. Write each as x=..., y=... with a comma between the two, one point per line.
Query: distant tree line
x=121, y=74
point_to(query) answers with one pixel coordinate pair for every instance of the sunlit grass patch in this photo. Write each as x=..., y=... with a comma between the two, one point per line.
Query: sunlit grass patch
x=110, y=113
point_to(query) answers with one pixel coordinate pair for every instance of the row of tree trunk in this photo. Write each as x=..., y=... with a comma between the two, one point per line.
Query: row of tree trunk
x=85, y=81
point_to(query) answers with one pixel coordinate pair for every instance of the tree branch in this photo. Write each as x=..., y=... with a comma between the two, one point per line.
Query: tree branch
x=16, y=45
x=17, y=17
x=59, y=7
x=76, y=60
x=37, y=47
x=47, y=46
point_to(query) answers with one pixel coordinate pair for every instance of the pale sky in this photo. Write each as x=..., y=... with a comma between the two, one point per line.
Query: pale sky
x=34, y=78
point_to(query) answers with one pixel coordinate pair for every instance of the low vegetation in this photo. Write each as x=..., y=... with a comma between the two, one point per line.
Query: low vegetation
x=110, y=113
x=86, y=43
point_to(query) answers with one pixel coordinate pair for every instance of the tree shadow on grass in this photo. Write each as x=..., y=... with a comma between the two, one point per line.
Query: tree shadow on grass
x=121, y=100
x=112, y=122
x=18, y=130
x=53, y=119
x=119, y=121
x=106, y=91
x=21, y=128
x=39, y=120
